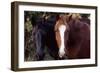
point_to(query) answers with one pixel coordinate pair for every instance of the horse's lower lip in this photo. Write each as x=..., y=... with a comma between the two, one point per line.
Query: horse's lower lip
x=61, y=56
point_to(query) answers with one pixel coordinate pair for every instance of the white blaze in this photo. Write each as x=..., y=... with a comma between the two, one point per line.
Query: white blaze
x=62, y=29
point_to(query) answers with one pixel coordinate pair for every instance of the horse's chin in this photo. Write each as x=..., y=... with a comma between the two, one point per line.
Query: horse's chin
x=63, y=56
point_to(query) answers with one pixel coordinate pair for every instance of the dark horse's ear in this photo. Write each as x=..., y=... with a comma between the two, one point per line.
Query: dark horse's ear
x=33, y=20
x=57, y=17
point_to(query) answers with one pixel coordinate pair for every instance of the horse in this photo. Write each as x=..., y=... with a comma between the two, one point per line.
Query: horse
x=72, y=37
x=45, y=37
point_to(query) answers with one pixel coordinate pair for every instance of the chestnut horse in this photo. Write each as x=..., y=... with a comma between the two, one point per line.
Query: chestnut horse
x=72, y=36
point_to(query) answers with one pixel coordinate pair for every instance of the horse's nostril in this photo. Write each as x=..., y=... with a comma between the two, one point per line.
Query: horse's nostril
x=63, y=57
x=61, y=54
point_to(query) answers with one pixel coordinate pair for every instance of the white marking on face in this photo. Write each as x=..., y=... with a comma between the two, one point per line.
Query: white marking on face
x=62, y=29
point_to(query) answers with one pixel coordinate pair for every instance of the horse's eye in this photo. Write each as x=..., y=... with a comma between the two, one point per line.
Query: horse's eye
x=56, y=30
x=67, y=30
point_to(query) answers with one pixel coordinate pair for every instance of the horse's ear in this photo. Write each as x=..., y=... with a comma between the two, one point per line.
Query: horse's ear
x=69, y=17
x=76, y=16
x=61, y=16
x=73, y=16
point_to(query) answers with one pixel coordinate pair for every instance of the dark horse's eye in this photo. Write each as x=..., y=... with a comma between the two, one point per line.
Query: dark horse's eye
x=67, y=30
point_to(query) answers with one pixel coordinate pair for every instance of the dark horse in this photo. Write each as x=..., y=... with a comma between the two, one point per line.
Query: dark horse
x=45, y=37
x=73, y=37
